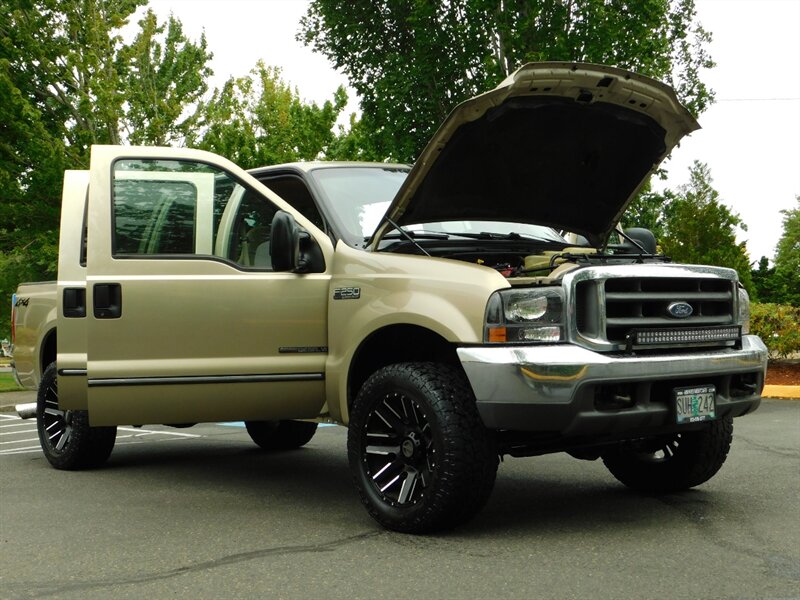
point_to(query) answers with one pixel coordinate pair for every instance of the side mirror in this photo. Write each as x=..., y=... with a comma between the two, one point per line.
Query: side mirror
x=644, y=237
x=293, y=248
x=284, y=246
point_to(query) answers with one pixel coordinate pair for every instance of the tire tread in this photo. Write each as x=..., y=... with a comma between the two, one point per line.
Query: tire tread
x=468, y=465
x=89, y=447
x=701, y=455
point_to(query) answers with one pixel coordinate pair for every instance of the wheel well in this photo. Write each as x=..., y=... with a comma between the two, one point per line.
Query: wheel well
x=48, y=354
x=395, y=344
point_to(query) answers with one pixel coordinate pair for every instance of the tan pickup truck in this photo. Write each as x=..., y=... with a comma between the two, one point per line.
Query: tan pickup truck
x=478, y=304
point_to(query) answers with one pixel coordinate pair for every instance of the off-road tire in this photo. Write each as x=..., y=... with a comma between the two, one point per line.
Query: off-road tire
x=281, y=435
x=67, y=440
x=419, y=454
x=673, y=463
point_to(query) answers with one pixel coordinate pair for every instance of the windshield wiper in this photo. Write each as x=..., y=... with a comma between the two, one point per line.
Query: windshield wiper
x=512, y=236
x=425, y=235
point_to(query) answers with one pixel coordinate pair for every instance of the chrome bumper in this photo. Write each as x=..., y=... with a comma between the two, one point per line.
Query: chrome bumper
x=517, y=387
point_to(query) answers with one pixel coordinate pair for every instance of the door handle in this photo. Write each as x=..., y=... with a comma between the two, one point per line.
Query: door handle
x=107, y=300
x=74, y=303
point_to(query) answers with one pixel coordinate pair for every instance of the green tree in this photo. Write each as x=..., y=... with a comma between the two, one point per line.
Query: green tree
x=787, y=259
x=64, y=56
x=260, y=120
x=353, y=142
x=411, y=62
x=647, y=210
x=764, y=281
x=787, y=252
x=163, y=81
x=700, y=229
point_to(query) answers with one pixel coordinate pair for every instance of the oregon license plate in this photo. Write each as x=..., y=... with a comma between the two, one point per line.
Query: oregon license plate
x=695, y=404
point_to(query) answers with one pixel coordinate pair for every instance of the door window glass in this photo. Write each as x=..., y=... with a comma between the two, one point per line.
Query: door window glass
x=294, y=191
x=167, y=207
x=251, y=232
x=155, y=217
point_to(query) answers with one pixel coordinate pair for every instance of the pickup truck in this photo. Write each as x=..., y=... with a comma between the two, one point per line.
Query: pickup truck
x=478, y=304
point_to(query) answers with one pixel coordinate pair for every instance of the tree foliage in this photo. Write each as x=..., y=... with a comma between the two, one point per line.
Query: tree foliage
x=411, y=62
x=647, y=210
x=163, y=80
x=780, y=283
x=779, y=326
x=260, y=120
x=787, y=252
x=700, y=229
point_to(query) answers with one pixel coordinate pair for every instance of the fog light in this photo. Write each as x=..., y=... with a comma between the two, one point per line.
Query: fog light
x=540, y=334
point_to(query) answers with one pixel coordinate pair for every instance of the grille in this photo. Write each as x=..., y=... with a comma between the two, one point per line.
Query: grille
x=642, y=304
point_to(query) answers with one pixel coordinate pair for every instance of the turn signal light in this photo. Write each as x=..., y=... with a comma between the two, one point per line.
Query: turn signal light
x=497, y=334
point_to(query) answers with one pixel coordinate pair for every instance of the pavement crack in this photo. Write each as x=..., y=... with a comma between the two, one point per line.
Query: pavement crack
x=785, y=452
x=43, y=590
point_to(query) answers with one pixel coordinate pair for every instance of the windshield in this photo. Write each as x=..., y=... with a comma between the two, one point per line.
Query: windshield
x=359, y=196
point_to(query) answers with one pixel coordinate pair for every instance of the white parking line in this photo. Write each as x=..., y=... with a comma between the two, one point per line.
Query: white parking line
x=26, y=450
x=13, y=426
x=8, y=434
x=132, y=435
x=142, y=432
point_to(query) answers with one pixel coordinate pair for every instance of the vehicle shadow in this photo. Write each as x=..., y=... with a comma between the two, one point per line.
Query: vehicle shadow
x=581, y=498
x=317, y=474
x=539, y=496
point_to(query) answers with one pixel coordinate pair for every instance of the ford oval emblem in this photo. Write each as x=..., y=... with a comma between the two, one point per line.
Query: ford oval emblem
x=680, y=310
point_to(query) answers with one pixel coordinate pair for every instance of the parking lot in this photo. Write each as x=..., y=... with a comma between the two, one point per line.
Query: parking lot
x=203, y=513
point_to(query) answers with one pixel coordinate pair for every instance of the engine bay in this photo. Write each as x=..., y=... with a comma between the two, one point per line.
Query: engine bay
x=518, y=258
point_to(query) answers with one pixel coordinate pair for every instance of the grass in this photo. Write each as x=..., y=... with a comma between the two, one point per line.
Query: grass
x=7, y=383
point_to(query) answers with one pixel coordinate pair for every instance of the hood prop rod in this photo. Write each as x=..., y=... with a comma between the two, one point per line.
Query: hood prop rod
x=406, y=235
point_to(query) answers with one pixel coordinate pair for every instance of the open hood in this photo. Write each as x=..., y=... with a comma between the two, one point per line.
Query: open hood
x=560, y=144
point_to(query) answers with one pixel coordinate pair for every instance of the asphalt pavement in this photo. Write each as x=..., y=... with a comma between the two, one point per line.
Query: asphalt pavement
x=203, y=513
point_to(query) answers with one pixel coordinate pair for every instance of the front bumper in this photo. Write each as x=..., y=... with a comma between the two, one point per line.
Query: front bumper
x=574, y=392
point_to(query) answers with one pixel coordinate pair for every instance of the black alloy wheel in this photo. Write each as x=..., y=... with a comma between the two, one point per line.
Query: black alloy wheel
x=419, y=453
x=67, y=440
x=399, y=454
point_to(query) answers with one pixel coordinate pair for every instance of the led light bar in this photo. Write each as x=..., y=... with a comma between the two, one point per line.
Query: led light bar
x=684, y=335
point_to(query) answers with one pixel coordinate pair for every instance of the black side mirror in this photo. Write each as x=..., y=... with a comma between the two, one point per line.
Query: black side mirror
x=293, y=248
x=644, y=237
x=284, y=246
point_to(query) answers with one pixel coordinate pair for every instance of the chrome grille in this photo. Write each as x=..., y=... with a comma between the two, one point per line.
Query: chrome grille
x=634, y=304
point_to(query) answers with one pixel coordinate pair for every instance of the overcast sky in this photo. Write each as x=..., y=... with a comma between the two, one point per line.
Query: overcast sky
x=750, y=137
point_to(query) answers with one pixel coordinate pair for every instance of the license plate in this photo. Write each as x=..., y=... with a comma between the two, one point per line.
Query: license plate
x=695, y=404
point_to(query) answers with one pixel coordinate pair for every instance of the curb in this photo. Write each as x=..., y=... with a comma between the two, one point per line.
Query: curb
x=8, y=400
x=781, y=391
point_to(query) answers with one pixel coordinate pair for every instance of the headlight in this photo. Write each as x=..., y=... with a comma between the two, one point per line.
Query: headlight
x=530, y=315
x=744, y=310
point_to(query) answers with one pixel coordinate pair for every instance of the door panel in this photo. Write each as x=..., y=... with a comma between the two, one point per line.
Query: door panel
x=71, y=340
x=205, y=330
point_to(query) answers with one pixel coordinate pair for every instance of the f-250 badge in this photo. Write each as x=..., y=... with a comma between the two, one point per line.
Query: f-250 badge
x=347, y=293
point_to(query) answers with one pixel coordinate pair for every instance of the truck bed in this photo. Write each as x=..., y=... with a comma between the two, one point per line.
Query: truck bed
x=34, y=322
